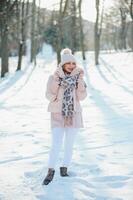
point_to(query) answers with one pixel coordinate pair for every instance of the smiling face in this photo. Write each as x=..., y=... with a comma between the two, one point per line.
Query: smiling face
x=69, y=67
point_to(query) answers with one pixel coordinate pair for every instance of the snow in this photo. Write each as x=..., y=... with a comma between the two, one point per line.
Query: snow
x=102, y=167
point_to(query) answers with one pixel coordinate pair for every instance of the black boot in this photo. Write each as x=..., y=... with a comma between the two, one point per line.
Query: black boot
x=63, y=171
x=49, y=177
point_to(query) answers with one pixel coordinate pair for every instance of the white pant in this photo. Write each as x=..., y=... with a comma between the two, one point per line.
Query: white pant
x=58, y=134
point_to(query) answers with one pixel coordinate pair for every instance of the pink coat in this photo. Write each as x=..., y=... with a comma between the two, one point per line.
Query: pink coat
x=54, y=93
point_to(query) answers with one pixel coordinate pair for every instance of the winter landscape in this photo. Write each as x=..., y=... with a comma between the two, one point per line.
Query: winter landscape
x=99, y=35
x=102, y=167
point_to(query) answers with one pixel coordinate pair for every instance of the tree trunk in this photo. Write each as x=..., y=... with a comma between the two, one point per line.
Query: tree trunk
x=73, y=25
x=115, y=39
x=59, y=40
x=131, y=14
x=97, y=48
x=123, y=29
x=62, y=12
x=33, y=31
x=58, y=55
x=21, y=42
x=97, y=36
x=98, y=30
x=20, y=55
x=132, y=35
x=130, y=8
x=7, y=10
x=81, y=31
x=4, y=51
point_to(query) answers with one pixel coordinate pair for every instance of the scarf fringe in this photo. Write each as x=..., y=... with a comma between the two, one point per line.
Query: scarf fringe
x=68, y=120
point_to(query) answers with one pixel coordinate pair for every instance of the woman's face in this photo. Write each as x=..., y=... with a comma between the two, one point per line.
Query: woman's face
x=69, y=67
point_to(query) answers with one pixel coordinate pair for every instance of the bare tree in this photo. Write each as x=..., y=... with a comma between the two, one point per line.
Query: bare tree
x=73, y=19
x=123, y=13
x=81, y=30
x=62, y=11
x=98, y=29
x=33, y=21
x=129, y=6
x=23, y=14
x=7, y=9
x=111, y=29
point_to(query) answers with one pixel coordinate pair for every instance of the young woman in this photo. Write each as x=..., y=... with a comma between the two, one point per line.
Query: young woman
x=65, y=88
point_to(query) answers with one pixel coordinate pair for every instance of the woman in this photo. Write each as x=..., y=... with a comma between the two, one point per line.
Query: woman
x=65, y=88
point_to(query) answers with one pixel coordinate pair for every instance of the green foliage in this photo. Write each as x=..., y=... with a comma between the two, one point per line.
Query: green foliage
x=50, y=35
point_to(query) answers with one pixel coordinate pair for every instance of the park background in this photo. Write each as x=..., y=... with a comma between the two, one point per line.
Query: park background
x=100, y=34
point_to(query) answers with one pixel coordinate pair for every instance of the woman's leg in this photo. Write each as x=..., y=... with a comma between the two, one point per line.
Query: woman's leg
x=57, y=139
x=70, y=134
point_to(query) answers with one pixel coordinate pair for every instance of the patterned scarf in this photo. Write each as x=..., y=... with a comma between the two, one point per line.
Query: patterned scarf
x=68, y=83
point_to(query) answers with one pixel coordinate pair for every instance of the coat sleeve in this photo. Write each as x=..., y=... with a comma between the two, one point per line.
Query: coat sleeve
x=81, y=89
x=52, y=88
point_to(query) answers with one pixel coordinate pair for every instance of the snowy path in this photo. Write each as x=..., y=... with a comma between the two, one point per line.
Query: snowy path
x=102, y=167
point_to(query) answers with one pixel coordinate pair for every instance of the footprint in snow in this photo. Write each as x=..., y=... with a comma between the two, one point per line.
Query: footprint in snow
x=113, y=181
x=112, y=178
x=28, y=134
x=101, y=156
x=94, y=169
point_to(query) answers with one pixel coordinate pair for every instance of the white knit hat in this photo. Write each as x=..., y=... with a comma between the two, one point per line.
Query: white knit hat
x=67, y=56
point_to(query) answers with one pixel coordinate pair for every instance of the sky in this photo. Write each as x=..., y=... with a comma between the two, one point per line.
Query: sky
x=88, y=7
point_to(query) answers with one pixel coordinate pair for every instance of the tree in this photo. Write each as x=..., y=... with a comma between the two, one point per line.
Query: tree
x=121, y=6
x=111, y=29
x=81, y=30
x=7, y=10
x=129, y=6
x=123, y=14
x=33, y=22
x=62, y=11
x=98, y=29
x=23, y=13
x=72, y=19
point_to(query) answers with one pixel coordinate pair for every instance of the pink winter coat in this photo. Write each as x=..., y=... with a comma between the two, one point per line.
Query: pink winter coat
x=54, y=93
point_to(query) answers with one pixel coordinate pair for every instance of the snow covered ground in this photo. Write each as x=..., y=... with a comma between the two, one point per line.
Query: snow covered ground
x=102, y=165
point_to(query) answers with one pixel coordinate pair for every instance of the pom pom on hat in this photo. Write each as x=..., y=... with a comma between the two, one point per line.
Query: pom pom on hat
x=67, y=56
x=66, y=51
